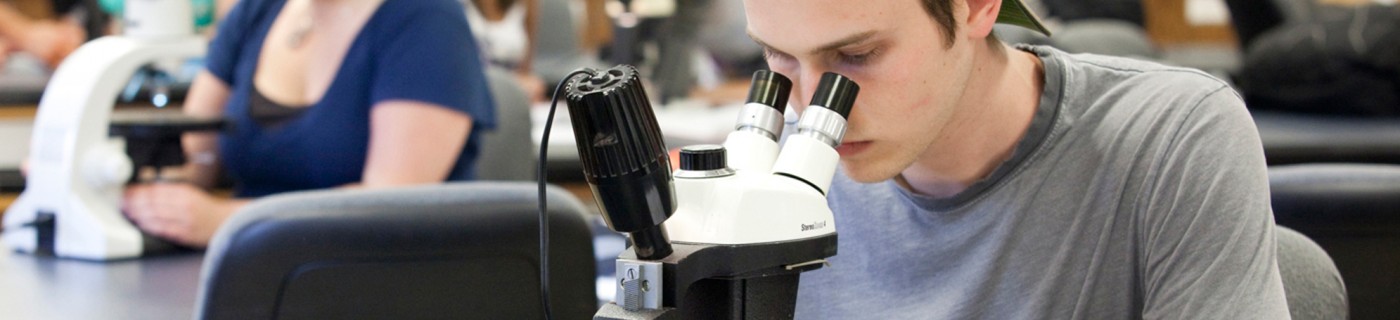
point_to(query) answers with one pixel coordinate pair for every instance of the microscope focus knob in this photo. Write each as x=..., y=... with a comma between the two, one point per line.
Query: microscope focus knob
x=107, y=165
x=705, y=157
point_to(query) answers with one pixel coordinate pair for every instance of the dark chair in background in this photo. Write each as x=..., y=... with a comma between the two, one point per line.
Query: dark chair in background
x=1353, y=212
x=557, y=50
x=455, y=251
x=1304, y=138
x=1314, y=287
x=508, y=153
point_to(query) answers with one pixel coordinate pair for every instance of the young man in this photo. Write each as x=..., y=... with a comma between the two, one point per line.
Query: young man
x=990, y=182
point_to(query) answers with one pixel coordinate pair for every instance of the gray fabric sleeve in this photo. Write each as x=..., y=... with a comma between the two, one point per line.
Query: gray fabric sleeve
x=1206, y=230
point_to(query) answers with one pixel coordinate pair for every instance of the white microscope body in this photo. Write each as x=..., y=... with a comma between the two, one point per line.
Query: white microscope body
x=76, y=172
x=763, y=201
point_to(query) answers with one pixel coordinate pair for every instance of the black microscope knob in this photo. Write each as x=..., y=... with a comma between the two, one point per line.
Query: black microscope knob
x=703, y=157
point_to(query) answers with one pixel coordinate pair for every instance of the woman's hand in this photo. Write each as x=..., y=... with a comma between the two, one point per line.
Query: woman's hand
x=51, y=41
x=178, y=212
x=5, y=48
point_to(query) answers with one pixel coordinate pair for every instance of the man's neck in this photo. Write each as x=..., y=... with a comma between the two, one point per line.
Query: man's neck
x=993, y=115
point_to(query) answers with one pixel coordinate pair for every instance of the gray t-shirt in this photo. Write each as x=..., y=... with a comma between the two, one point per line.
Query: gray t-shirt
x=1139, y=191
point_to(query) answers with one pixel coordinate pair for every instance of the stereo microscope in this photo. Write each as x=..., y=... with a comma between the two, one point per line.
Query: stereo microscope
x=728, y=234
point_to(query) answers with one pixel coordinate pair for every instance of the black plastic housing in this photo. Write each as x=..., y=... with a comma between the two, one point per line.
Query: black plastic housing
x=623, y=155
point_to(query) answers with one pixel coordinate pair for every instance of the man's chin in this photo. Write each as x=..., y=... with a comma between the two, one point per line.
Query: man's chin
x=865, y=173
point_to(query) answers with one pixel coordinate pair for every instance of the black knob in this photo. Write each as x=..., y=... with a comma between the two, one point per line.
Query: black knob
x=703, y=157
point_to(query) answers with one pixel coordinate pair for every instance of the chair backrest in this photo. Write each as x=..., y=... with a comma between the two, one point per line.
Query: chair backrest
x=557, y=49
x=455, y=251
x=558, y=36
x=1297, y=138
x=508, y=153
x=1353, y=212
x=1314, y=287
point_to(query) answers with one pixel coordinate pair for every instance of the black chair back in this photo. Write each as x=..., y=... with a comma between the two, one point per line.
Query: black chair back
x=1353, y=212
x=456, y=251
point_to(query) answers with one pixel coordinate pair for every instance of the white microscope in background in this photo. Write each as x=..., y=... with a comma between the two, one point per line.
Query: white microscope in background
x=71, y=204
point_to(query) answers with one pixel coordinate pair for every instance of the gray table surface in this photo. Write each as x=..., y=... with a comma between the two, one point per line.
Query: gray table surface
x=159, y=287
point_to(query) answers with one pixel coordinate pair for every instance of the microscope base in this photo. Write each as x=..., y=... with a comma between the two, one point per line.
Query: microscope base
x=612, y=311
x=757, y=281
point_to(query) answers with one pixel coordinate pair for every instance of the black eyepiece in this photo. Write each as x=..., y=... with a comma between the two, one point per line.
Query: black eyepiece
x=836, y=92
x=770, y=89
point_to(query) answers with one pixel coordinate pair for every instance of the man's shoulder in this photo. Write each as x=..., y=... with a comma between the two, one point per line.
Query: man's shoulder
x=1113, y=103
x=1119, y=73
x=1097, y=86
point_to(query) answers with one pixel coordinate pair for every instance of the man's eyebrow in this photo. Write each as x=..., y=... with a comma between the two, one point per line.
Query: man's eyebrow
x=848, y=40
x=831, y=46
x=765, y=45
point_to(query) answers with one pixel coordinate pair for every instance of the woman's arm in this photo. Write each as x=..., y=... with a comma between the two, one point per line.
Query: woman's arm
x=413, y=142
x=185, y=212
x=179, y=212
x=206, y=99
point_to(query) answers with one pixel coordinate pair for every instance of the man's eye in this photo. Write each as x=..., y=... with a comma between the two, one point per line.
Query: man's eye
x=859, y=59
x=772, y=55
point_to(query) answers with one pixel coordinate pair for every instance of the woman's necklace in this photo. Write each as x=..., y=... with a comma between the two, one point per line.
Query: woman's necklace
x=298, y=36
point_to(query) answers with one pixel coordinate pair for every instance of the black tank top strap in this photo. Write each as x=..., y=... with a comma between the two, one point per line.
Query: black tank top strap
x=269, y=114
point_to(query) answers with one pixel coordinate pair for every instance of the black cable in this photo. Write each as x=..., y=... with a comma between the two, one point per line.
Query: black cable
x=544, y=216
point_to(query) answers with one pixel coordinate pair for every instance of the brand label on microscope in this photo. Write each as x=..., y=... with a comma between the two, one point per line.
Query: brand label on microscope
x=814, y=226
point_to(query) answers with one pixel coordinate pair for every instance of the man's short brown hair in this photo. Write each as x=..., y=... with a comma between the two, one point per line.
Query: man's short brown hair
x=942, y=13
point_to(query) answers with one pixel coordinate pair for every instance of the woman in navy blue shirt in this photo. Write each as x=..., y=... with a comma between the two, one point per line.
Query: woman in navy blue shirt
x=325, y=94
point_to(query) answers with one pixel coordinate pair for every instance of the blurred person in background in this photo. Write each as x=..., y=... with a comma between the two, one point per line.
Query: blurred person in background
x=505, y=30
x=324, y=94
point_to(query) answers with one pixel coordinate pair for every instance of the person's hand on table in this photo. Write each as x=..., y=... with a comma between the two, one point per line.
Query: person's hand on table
x=179, y=212
x=51, y=41
x=5, y=48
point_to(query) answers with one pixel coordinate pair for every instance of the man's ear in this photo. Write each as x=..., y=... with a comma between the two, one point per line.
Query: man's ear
x=981, y=15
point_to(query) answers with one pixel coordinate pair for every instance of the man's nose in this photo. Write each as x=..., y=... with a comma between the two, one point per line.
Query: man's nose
x=806, y=84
